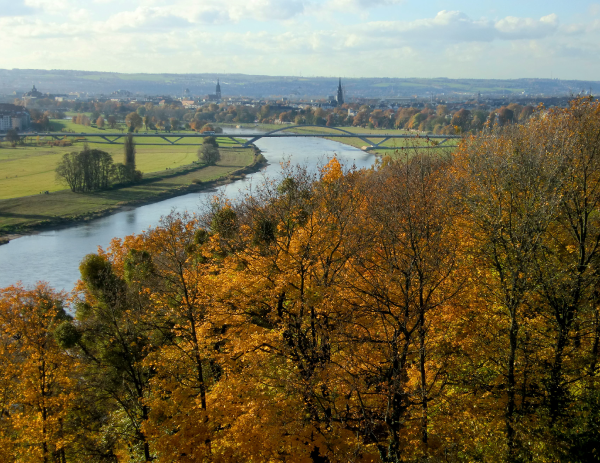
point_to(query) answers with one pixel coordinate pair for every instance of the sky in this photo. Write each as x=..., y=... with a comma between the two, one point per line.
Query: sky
x=350, y=38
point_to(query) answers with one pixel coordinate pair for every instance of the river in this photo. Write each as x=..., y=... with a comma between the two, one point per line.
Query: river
x=54, y=256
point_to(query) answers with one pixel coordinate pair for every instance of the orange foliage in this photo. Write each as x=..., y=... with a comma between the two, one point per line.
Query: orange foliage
x=426, y=309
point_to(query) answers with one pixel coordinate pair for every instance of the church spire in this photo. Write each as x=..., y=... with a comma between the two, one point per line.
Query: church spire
x=340, y=94
x=218, y=91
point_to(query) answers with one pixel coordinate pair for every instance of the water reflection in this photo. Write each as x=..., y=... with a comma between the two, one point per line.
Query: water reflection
x=131, y=217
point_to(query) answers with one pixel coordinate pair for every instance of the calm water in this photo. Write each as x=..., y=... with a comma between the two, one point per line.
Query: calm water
x=54, y=256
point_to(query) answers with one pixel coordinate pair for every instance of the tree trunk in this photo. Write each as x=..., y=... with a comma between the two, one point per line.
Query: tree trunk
x=510, y=406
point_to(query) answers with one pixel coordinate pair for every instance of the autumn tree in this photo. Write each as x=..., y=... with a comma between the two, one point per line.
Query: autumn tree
x=514, y=186
x=36, y=376
x=567, y=276
x=134, y=120
x=81, y=119
x=112, y=121
x=462, y=119
x=361, y=119
x=170, y=264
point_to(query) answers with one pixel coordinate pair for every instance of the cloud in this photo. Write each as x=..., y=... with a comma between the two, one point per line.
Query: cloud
x=455, y=26
x=345, y=5
x=50, y=6
x=14, y=8
x=146, y=18
x=512, y=28
x=212, y=16
x=274, y=9
x=213, y=11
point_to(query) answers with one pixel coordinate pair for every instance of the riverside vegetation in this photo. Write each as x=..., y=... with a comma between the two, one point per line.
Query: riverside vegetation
x=437, y=308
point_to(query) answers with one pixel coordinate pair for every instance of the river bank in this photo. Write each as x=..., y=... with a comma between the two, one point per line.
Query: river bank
x=32, y=214
x=53, y=254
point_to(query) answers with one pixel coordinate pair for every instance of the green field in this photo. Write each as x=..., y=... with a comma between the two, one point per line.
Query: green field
x=60, y=125
x=29, y=170
x=43, y=209
x=74, y=113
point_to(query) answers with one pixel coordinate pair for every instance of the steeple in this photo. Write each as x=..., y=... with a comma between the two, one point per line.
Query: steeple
x=340, y=94
x=218, y=92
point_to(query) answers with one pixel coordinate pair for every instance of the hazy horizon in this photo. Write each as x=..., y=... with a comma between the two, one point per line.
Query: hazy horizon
x=295, y=76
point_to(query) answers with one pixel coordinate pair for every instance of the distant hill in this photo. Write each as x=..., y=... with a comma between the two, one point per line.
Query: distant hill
x=55, y=81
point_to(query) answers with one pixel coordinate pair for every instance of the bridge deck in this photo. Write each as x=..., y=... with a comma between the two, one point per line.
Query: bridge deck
x=236, y=135
x=172, y=138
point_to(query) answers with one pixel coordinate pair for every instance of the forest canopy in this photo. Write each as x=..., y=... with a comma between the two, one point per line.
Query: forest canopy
x=433, y=308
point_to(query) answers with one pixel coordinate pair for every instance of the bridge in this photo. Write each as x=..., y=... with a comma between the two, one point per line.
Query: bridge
x=176, y=138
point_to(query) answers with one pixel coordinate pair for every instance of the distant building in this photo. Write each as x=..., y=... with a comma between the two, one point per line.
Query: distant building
x=121, y=93
x=169, y=102
x=340, y=94
x=65, y=98
x=188, y=103
x=216, y=96
x=13, y=117
x=33, y=93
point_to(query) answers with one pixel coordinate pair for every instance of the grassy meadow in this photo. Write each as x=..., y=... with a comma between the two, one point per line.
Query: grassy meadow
x=29, y=169
x=40, y=209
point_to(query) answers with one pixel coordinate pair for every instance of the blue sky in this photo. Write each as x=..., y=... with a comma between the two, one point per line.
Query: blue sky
x=353, y=38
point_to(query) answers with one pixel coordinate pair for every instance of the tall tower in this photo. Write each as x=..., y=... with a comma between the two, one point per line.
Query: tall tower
x=218, y=92
x=340, y=94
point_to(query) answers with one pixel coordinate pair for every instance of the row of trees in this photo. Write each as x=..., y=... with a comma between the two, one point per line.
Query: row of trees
x=429, y=119
x=431, y=309
x=438, y=119
x=93, y=169
x=81, y=119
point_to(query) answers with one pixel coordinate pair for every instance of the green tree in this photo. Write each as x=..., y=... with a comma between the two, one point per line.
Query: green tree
x=131, y=173
x=12, y=136
x=111, y=342
x=209, y=154
x=88, y=170
x=212, y=141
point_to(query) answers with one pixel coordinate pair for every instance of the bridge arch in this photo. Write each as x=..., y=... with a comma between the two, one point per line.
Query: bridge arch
x=304, y=126
x=346, y=132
